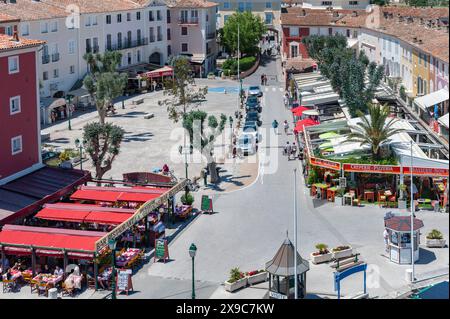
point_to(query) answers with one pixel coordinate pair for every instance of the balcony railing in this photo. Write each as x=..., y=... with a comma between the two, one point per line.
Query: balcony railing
x=188, y=21
x=210, y=35
x=127, y=44
x=55, y=57
x=45, y=59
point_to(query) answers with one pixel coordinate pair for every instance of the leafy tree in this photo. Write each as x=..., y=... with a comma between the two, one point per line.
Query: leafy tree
x=102, y=145
x=181, y=93
x=374, y=130
x=251, y=30
x=103, y=82
x=202, y=136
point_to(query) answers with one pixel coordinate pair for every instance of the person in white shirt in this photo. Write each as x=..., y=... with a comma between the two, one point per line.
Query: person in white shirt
x=58, y=271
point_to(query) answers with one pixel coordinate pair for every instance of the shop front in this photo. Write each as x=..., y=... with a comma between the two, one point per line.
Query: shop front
x=53, y=109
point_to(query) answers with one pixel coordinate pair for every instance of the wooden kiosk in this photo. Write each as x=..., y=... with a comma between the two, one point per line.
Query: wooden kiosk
x=281, y=273
x=399, y=238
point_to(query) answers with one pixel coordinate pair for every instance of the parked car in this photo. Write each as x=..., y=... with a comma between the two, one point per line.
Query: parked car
x=251, y=127
x=255, y=91
x=253, y=116
x=253, y=103
x=247, y=144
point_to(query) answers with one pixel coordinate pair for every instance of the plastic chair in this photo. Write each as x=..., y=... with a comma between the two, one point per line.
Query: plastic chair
x=381, y=198
x=8, y=285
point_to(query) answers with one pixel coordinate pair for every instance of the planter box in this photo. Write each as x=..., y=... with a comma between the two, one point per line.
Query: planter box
x=321, y=258
x=436, y=243
x=256, y=279
x=235, y=285
x=343, y=253
x=339, y=201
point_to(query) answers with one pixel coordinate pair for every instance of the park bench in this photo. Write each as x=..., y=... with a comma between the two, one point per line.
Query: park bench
x=138, y=101
x=149, y=116
x=344, y=263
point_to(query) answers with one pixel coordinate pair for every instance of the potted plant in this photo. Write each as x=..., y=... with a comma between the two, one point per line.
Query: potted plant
x=435, y=239
x=187, y=199
x=402, y=199
x=236, y=281
x=342, y=251
x=339, y=198
x=256, y=276
x=321, y=255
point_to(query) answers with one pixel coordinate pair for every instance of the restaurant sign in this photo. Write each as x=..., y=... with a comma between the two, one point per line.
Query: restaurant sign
x=368, y=168
x=426, y=171
x=141, y=213
x=325, y=163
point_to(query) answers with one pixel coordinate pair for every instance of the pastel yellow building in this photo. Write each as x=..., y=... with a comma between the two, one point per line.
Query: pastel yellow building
x=421, y=73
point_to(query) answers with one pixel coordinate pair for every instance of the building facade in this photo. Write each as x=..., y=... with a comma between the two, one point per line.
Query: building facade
x=192, y=33
x=19, y=114
x=268, y=11
x=336, y=4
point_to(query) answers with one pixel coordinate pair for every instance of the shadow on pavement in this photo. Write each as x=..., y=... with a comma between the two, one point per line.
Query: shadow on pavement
x=425, y=256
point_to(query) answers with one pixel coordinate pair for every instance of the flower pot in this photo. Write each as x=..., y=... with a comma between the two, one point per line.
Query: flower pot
x=343, y=253
x=241, y=283
x=255, y=279
x=317, y=259
x=436, y=243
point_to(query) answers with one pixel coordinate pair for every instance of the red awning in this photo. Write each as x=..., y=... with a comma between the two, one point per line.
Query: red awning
x=298, y=111
x=114, y=194
x=164, y=71
x=49, y=237
x=83, y=216
x=304, y=123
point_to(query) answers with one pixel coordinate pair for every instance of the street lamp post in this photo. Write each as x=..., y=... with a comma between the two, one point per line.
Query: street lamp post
x=295, y=236
x=192, y=253
x=80, y=146
x=69, y=113
x=412, y=217
x=112, y=245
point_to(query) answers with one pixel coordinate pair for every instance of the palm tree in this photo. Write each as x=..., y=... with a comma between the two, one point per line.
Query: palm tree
x=374, y=130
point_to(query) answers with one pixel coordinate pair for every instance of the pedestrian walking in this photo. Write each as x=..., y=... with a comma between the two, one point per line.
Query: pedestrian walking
x=265, y=79
x=286, y=149
x=285, y=101
x=293, y=150
x=275, y=126
x=262, y=79
x=286, y=126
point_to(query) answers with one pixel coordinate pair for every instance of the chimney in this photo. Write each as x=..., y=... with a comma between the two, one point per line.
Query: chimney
x=415, y=39
x=354, y=14
x=15, y=36
x=420, y=41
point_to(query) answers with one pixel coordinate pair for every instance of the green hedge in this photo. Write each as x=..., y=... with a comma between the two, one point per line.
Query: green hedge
x=230, y=65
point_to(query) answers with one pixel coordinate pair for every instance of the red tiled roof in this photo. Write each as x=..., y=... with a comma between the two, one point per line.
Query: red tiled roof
x=434, y=41
x=8, y=43
x=7, y=18
x=402, y=223
x=300, y=63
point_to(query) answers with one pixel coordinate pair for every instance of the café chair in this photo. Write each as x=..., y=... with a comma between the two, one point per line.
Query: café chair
x=357, y=201
x=381, y=198
x=8, y=285
x=392, y=200
x=42, y=289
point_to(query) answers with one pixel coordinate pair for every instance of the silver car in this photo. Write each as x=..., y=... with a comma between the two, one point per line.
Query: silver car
x=255, y=91
x=246, y=144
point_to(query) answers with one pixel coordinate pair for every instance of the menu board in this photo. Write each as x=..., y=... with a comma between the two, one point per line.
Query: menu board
x=206, y=204
x=161, y=249
x=124, y=280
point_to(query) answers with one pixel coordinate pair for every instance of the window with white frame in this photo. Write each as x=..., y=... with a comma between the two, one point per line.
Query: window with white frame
x=54, y=26
x=14, y=105
x=56, y=73
x=25, y=28
x=87, y=22
x=293, y=31
x=44, y=27
x=226, y=5
x=45, y=75
x=268, y=5
x=71, y=47
x=16, y=145
x=9, y=30
x=13, y=64
x=94, y=20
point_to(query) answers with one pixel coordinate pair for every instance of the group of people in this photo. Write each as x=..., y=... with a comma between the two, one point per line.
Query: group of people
x=285, y=126
x=290, y=150
x=263, y=79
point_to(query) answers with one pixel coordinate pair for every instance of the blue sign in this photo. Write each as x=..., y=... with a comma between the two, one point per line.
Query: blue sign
x=338, y=276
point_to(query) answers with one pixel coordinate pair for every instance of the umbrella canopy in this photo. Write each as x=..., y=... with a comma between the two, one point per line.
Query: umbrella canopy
x=304, y=123
x=311, y=113
x=328, y=135
x=298, y=111
x=325, y=145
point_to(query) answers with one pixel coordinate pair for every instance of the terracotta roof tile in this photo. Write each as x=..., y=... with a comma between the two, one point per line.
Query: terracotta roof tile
x=7, y=43
x=384, y=20
x=7, y=18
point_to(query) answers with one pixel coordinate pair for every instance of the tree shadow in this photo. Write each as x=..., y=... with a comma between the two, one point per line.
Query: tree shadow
x=61, y=140
x=138, y=137
x=133, y=114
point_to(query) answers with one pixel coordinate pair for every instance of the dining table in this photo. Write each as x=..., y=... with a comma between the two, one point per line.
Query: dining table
x=128, y=255
x=323, y=189
x=331, y=193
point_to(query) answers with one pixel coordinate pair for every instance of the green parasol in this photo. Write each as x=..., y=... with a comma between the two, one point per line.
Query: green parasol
x=328, y=135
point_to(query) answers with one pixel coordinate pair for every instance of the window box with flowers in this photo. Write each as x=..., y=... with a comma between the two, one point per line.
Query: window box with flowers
x=236, y=281
x=342, y=252
x=256, y=276
x=321, y=255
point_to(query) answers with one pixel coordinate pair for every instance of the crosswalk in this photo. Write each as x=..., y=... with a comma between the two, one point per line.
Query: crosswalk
x=274, y=89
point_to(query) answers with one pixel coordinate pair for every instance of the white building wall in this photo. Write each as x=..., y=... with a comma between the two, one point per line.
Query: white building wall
x=337, y=4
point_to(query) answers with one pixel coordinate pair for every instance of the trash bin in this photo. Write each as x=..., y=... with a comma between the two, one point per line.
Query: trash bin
x=409, y=275
x=53, y=293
